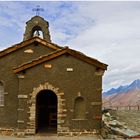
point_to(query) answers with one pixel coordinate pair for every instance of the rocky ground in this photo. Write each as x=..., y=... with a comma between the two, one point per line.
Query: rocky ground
x=120, y=124
x=50, y=138
x=130, y=117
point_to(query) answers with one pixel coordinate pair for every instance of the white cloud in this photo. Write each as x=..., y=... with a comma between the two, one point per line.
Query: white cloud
x=113, y=39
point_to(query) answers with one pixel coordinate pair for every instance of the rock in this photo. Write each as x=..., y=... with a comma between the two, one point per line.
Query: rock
x=113, y=129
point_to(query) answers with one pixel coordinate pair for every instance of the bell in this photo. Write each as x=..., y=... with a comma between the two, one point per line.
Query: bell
x=37, y=33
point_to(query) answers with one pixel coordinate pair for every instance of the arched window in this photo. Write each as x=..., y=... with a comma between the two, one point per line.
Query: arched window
x=1, y=94
x=79, y=108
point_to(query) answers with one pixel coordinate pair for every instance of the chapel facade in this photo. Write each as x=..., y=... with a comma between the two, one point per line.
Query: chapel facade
x=48, y=88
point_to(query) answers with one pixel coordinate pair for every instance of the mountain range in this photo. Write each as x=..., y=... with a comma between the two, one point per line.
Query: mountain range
x=123, y=95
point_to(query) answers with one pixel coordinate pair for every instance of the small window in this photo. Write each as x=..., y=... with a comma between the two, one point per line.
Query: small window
x=79, y=108
x=1, y=94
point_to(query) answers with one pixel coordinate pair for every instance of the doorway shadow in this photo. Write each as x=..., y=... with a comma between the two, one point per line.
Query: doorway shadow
x=46, y=112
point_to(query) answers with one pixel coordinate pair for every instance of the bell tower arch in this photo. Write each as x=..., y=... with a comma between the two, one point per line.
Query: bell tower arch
x=37, y=26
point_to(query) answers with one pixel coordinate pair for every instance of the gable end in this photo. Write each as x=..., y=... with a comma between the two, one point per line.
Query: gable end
x=55, y=54
x=35, y=40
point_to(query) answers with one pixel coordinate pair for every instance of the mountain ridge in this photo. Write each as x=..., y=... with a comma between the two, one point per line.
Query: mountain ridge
x=122, y=89
x=128, y=95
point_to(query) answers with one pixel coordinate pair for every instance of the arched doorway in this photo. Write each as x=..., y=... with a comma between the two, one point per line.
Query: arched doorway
x=46, y=112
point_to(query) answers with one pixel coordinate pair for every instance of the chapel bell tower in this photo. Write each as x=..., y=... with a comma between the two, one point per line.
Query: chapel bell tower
x=37, y=26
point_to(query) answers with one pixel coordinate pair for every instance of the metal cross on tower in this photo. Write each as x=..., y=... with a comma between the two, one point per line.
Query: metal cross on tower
x=38, y=10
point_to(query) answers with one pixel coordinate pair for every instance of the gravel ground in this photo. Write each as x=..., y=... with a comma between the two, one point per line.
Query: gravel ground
x=131, y=118
x=51, y=138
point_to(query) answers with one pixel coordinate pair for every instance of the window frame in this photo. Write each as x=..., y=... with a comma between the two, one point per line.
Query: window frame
x=2, y=93
x=76, y=116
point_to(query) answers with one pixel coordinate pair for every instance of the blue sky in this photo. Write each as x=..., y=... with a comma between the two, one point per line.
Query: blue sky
x=107, y=31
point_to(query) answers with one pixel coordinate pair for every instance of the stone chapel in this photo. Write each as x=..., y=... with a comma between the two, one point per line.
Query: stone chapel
x=48, y=88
